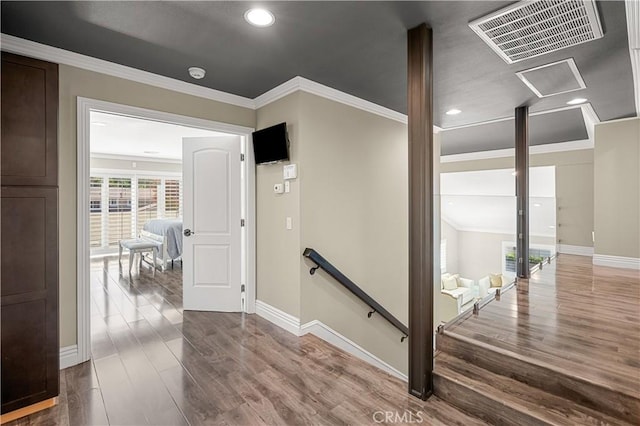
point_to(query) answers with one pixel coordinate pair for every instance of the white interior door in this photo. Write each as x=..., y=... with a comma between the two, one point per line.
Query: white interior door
x=211, y=226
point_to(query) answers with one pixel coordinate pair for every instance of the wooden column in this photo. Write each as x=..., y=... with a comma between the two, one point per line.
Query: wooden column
x=522, y=190
x=420, y=100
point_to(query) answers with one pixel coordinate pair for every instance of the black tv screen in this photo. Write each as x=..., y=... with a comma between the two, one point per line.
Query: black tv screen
x=271, y=145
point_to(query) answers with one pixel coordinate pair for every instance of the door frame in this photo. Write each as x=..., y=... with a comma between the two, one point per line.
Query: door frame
x=248, y=209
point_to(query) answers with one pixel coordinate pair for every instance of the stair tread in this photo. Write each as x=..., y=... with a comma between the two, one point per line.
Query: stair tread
x=537, y=403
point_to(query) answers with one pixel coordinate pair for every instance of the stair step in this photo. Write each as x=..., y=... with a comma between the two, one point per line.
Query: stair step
x=501, y=400
x=568, y=385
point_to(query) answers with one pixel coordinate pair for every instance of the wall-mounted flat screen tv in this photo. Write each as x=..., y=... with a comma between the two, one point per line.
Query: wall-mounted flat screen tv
x=271, y=145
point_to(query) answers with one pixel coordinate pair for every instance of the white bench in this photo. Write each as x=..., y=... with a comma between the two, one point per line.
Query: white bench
x=140, y=246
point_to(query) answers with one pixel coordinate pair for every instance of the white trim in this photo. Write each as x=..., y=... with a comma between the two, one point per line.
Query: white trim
x=618, y=120
x=84, y=107
x=306, y=85
x=572, y=66
x=291, y=324
x=69, y=356
x=633, y=29
x=511, y=152
x=135, y=158
x=575, y=250
x=42, y=51
x=327, y=334
x=280, y=318
x=616, y=261
x=131, y=173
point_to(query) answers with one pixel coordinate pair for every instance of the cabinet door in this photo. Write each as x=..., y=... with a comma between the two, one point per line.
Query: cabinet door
x=29, y=94
x=29, y=296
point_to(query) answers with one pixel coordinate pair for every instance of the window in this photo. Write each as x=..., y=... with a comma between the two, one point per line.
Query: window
x=147, y=196
x=443, y=256
x=119, y=206
x=172, y=198
x=95, y=212
x=119, y=217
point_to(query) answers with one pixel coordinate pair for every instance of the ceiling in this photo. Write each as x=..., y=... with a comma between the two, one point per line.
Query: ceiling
x=356, y=47
x=119, y=135
x=484, y=201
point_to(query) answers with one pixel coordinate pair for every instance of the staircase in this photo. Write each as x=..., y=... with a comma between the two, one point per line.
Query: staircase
x=507, y=388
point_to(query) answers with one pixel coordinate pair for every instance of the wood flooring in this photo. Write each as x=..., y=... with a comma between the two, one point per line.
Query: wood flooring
x=568, y=339
x=155, y=364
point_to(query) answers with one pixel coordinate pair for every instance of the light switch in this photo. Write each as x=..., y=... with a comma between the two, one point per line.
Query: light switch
x=290, y=171
x=287, y=186
x=289, y=223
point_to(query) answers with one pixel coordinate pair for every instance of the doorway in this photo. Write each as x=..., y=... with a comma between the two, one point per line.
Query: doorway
x=143, y=198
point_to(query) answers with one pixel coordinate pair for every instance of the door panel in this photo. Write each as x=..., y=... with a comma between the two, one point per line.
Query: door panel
x=29, y=311
x=211, y=254
x=29, y=93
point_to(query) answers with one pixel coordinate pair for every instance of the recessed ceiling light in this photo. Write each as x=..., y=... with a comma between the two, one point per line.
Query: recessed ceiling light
x=259, y=17
x=576, y=101
x=98, y=123
x=552, y=227
x=453, y=112
x=197, y=72
x=151, y=152
x=450, y=203
x=537, y=205
x=514, y=173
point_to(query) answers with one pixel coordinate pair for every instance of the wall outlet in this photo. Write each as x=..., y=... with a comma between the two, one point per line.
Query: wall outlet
x=289, y=223
x=278, y=188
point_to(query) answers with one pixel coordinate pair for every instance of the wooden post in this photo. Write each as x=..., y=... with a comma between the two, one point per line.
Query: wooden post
x=522, y=191
x=420, y=105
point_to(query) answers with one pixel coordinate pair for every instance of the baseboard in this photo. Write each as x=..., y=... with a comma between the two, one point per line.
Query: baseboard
x=68, y=356
x=329, y=335
x=280, y=318
x=616, y=261
x=575, y=250
x=292, y=324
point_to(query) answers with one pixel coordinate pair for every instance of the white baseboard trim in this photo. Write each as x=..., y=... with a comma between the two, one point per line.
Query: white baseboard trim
x=280, y=318
x=616, y=261
x=69, y=356
x=575, y=250
x=329, y=335
x=292, y=325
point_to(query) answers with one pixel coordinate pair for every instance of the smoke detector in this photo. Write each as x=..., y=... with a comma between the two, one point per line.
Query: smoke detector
x=197, y=72
x=527, y=29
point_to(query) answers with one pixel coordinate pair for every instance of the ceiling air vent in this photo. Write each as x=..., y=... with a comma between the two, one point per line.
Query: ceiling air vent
x=532, y=28
x=553, y=79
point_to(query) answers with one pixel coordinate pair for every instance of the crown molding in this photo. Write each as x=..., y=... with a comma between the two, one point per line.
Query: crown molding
x=305, y=85
x=48, y=53
x=511, y=152
x=633, y=28
x=140, y=158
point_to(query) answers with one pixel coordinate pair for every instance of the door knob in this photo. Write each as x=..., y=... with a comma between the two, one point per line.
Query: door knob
x=187, y=232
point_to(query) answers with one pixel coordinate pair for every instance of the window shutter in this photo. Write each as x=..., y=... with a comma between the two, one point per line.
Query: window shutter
x=119, y=217
x=147, y=206
x=172, y=198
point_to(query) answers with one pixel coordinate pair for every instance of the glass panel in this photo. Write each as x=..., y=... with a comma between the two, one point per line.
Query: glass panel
x=119, y=218
x=95, y=212
x=147, y=193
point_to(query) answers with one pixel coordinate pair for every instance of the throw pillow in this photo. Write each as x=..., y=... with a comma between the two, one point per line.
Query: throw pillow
x=444, y=277
x=457, y=277
x=495, y=280
x=450, y=283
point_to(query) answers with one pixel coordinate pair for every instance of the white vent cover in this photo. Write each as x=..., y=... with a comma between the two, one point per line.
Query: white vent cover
x=534, y=27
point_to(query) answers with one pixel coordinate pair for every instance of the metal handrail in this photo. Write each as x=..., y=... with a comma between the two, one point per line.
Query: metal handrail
x=325, y=265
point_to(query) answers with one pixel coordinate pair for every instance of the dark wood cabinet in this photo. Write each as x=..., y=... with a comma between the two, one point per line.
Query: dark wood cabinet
x=29, y=232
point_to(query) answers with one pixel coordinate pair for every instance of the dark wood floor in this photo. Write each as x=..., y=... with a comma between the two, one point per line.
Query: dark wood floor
x=155, y=364
x=582, y=318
